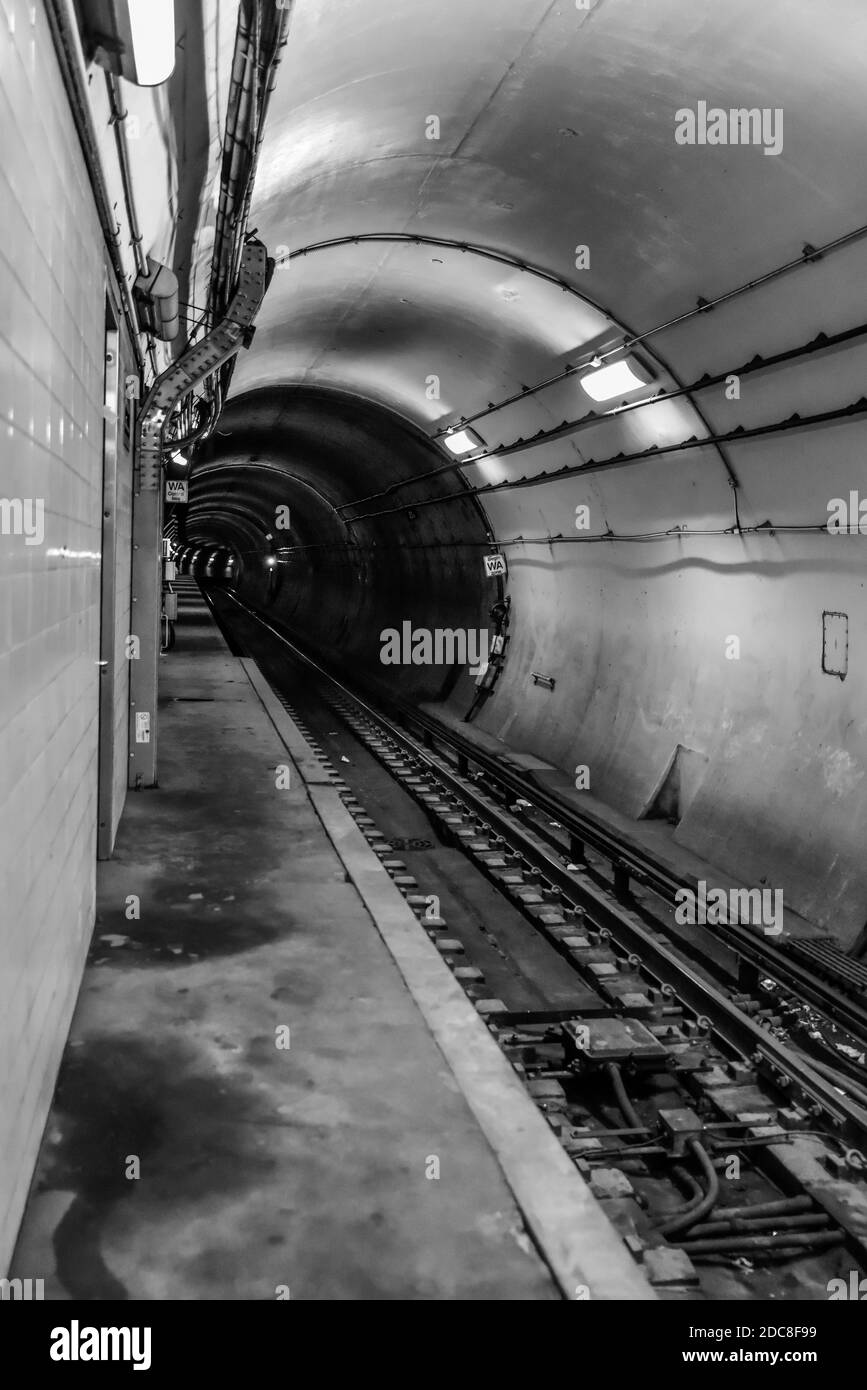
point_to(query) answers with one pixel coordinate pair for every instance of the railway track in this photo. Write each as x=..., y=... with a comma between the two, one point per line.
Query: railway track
x=667, y=1085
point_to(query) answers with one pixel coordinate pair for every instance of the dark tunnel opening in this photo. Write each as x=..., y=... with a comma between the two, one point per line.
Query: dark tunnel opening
x=268, y=484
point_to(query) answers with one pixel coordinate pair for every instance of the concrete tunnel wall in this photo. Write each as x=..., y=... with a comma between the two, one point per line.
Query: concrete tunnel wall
x=635, y=634
x=557, y=129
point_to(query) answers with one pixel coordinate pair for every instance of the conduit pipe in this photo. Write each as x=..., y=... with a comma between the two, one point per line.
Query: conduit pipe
x=64, y=32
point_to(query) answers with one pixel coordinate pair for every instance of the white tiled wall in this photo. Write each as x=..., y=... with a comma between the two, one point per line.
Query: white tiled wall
x=51, y=384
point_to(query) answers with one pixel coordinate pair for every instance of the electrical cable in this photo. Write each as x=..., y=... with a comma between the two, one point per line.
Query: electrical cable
x=685, y=1219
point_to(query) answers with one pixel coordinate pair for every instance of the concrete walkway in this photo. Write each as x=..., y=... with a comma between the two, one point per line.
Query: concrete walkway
x=187, y=1156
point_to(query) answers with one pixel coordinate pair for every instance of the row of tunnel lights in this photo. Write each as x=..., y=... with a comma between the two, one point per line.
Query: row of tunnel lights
x=601, y=384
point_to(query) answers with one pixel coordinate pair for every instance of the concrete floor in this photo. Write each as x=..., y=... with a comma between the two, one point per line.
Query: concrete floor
x=186, y=1156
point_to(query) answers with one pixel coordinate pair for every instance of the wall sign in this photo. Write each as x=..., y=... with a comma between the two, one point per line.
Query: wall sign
x=495, y=564
x=177, y=490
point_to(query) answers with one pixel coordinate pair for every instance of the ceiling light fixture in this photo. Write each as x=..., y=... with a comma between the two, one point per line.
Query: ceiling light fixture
x=617, y=379
x=152, y=23
x=134, y=39
x=464, y=441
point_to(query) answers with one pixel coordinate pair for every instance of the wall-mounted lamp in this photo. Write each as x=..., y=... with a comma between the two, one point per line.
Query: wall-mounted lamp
x=465, y=441
x=617, y=379
x=134, y=39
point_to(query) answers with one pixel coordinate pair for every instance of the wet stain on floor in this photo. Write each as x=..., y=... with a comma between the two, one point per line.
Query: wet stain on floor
x=259, y=1164
x=178, y=933
x=124, y=1099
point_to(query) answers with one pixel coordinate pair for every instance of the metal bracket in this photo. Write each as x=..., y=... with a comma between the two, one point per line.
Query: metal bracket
x=200, y=361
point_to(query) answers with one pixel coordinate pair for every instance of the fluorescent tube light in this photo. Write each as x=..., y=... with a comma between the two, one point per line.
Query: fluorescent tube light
x=617, y=379
x=152, y=23
x=464, y=441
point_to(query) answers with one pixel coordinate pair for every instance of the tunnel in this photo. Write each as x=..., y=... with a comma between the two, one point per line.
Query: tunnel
x=433, y=704
x=427, y=222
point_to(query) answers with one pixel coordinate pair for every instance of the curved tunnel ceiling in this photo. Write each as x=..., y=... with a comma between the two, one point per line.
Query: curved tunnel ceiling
x=544, y=131
x=556, y=129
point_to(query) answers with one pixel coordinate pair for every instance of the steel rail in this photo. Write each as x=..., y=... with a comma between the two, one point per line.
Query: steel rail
x=734, y=1027
x=632, y=863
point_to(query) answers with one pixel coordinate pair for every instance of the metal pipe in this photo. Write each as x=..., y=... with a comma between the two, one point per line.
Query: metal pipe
x=118, y=120
x=118, y=117
x=802, y=1222
x=696, y=1195
x=631, y=340
x=685, y=1178
x=813, y=1240
x=689, y=1218
x=785, y=1207
x=844, y=1083
x=821, y=343
x=253, y=77
x=627, y=1109
x=735, y=436
x=767, y=529
x=64, y=32
x=808, y=255
x=758, y=364
x=279, y=42
x=230, y=169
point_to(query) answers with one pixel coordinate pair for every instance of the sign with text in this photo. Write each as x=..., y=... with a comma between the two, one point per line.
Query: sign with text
x=495, y=564
x=177, y=490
